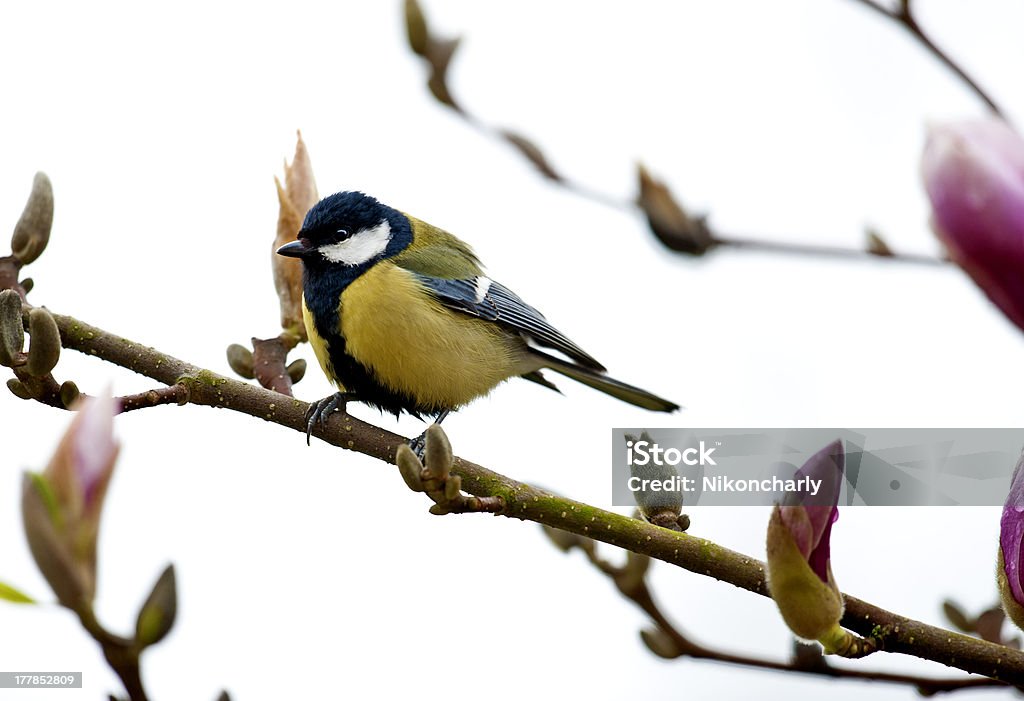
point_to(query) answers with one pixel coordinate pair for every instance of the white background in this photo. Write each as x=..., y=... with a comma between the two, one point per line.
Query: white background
x=313, y=573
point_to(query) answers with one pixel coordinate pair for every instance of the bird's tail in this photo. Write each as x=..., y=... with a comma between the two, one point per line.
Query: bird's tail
x=592, y=378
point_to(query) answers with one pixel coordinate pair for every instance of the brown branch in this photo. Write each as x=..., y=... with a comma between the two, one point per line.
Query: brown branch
x=122, y=654
x=174, y=394
x=10, y=268
x=896, y=633
x=904, y=16
x=43, y=389
x=823, y=251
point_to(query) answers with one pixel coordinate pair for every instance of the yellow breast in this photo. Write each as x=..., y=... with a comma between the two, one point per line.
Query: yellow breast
x=319, y=345
x=415, y=345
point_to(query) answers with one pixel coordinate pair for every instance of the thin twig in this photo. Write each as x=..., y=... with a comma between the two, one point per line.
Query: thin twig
x=531, y=152
x=717, y=238
x=637, y=590
x=122, y=654
x=174, y=394
x=904, y=16
x=811, y=249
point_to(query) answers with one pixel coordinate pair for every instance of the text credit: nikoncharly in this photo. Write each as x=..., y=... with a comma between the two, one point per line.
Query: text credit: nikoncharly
x=643, y=453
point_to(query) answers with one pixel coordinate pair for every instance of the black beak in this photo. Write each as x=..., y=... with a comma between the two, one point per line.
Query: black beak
x=295, y=249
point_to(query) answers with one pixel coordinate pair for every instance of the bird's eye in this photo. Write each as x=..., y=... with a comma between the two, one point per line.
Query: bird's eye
x=342, y=234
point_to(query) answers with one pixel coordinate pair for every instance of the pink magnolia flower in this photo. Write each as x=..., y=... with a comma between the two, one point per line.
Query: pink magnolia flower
x=61, y=507
x=799, y=568
x=974, y=174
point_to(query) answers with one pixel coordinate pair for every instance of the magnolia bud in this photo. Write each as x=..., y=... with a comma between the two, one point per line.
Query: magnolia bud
x=61, y=507
x=799, y=567
x=974, y=174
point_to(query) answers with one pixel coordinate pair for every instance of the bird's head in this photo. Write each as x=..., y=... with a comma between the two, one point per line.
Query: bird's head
x=348, y=229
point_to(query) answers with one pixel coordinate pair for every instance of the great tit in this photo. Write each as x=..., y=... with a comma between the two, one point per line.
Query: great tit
x=401, y=317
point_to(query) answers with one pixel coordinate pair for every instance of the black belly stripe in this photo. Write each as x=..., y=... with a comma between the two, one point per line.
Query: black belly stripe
x=357, y=378
x=322, y=293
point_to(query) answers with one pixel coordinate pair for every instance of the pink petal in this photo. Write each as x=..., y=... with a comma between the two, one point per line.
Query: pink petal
x=93, y=444
x=1011, y=533
x=974, y=175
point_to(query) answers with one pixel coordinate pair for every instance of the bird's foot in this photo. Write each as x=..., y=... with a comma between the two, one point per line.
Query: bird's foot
x=419, y=443
x=320, y=410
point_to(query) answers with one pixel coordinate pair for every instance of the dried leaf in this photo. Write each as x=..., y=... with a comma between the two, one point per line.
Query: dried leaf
x=299, y=182
x=436, y=51
x=439, y=55
x=532, y=154
x=673, y=226
x=416, y=28
x=294, y=199
x=288, y=271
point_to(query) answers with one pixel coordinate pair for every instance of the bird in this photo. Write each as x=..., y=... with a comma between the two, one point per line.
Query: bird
x=401, y=317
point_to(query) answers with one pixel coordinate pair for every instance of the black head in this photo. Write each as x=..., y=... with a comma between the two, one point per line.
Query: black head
x=349, y=229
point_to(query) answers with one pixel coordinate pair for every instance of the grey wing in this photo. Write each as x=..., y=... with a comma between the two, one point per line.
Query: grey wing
x=492, y=301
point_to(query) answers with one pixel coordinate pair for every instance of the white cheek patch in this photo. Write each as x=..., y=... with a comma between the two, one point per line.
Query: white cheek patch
x=362, y=246
x=483, y=284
